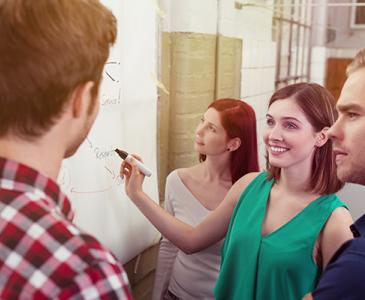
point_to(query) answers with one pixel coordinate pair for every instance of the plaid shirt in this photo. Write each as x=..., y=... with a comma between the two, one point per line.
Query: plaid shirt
x=42, y=253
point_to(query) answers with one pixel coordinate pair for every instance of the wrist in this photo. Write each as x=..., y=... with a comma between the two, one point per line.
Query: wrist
x=136, y=196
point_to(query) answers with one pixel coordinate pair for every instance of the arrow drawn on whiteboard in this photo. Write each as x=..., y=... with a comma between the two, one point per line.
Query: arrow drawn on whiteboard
x=109, y=76
x=89, y=142
x=108, y=73
x=110, y=171
x=90, y=192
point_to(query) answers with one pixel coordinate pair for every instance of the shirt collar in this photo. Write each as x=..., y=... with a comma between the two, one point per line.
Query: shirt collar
x=22, y=178
x=358, y=228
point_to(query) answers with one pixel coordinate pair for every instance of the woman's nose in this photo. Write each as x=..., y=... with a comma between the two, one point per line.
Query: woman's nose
x=275, y=134
x=199, y=129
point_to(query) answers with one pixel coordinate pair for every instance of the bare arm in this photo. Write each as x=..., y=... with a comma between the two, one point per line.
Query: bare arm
x=184, y=236
x=335, y=233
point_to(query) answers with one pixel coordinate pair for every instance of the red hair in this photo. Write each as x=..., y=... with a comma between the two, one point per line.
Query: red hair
x=239, y=120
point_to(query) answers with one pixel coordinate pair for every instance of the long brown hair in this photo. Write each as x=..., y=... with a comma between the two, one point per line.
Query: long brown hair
x=318, y=106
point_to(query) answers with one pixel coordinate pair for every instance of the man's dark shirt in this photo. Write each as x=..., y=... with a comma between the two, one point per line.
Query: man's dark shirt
x=344, y=277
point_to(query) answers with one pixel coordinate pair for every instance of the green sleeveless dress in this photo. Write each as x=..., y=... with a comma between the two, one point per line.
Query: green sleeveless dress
x=278, y=266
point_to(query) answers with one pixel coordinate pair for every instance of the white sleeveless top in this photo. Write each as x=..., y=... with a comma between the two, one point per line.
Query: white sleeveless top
x=188, y=276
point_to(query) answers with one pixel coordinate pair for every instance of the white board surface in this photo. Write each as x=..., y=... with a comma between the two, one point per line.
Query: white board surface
x=126, y=120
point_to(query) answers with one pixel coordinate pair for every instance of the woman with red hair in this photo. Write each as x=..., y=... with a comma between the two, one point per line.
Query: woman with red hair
x=227, y=146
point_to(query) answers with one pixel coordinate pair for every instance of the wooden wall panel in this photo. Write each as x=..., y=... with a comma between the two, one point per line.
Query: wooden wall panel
x=336, y=74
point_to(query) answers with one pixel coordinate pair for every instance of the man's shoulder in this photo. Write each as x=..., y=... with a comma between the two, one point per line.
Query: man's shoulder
x=52, y=231
x=352, y=249
x=75, y=241
x=357, y=244
x=90, y=263
x=48, y=243
x=343, y=277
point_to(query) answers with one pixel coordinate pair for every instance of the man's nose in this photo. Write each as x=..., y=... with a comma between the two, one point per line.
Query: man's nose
x=334, y=132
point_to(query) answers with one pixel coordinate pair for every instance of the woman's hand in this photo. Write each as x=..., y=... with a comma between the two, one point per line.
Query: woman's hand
x=308, y=297
x=133, y=178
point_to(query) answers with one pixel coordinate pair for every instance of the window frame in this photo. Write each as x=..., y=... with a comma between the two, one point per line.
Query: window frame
x=353, y=25
x=302, y=33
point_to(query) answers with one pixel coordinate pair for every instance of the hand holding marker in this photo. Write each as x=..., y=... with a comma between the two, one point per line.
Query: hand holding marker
x=130, y=159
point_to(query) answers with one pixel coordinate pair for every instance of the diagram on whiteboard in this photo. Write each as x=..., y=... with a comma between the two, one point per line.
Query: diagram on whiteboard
x=126, y=120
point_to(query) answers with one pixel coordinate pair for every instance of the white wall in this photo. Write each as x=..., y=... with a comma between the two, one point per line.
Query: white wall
x=354, y=196
x=254, y=26
x=318, y=65
x=198, y=16
x=339, y=20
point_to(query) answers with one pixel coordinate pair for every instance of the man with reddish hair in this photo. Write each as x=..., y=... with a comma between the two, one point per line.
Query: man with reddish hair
x=52, y=55
x=344, y=276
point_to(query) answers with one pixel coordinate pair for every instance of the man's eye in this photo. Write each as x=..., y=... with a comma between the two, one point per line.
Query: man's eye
x=352, y=115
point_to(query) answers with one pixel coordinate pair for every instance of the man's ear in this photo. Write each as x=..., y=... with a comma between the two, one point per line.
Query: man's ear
x=81, y=97
x=322, y=137
x=234, y=144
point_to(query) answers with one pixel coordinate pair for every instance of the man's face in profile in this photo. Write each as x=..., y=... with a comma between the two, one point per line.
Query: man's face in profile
x=348, y=133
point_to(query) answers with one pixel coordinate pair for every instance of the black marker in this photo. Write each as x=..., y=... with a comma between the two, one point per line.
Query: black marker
x=129, y=158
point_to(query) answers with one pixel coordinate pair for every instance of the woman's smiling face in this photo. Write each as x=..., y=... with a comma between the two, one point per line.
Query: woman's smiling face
x=289, y=137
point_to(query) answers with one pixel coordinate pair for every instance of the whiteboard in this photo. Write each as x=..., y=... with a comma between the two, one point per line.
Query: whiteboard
x=126, y=120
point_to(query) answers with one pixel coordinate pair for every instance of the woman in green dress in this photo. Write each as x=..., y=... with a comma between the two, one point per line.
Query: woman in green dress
x=281, y=226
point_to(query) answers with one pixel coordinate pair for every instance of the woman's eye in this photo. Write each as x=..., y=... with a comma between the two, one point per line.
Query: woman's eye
x=269, y=122
x=290, y=125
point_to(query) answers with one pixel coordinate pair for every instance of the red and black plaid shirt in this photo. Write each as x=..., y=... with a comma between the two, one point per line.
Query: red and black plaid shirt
x=42, y=253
